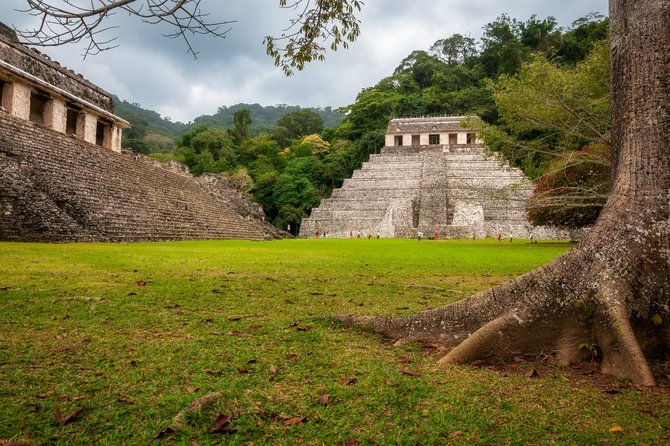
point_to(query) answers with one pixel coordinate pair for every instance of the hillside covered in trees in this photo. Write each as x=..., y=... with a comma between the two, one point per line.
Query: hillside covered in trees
x=541, y=91
x=151, y=132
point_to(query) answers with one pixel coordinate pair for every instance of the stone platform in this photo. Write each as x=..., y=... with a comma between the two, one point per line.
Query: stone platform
x=457, y=190
x=57, y=188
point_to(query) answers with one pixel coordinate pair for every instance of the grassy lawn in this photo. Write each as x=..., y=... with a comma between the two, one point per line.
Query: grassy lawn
x=133, y=333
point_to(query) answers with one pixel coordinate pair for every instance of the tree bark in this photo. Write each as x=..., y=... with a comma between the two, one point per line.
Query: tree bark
x=612, y=290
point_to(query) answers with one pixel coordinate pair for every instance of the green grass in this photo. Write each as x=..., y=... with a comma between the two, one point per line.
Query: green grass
x=135, y=332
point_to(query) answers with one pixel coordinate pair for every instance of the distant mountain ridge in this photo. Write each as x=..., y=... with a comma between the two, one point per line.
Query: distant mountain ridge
x=150, y=132
x=262, y=117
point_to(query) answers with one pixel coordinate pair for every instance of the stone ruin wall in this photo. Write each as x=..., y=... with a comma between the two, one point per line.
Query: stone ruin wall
x=50, y=71
x=57, y=188
x=457, y=190
x=38, y=89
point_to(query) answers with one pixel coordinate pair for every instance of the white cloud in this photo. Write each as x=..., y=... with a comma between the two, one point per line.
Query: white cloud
x=158, y=73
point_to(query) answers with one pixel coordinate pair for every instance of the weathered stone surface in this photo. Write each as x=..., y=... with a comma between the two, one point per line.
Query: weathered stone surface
x=457, y=190
x=55, y=187
x=41, y=66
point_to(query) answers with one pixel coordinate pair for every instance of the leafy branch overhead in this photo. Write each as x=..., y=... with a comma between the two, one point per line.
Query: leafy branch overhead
x=318, y=24
x=65, y=21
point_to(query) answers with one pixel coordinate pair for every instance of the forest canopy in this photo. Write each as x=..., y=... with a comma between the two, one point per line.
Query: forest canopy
x=300, y=157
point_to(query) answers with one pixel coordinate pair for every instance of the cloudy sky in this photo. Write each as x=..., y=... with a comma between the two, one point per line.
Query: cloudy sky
x=158, y=73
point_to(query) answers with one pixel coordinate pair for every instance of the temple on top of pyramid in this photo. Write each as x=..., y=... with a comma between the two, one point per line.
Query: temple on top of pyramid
x=432, y=176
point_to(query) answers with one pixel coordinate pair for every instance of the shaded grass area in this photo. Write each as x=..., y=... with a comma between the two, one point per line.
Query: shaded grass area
x=133, y=333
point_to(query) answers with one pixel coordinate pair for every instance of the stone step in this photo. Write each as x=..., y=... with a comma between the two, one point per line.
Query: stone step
x=334, y=214
x=77, y=191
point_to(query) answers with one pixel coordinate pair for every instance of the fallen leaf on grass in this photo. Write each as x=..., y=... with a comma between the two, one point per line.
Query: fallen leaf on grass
x=211, y=372
x=65, y=420
x=352, y=442
x=64, y=348
x=651, y=412
x=348, y=381
x=191, y=389
x=73, y=398
x=14, y=443
x=243, y=371
x=132, y=293
x=295, y=420
x=616, y=428
x=410, y=372
x=292, y=357
x=274, y=368
x=404, y=360
x=217, y=291
x=324, y=399
x=532, y=373
x=254, y=326
x=164, y=433
x=140, y=283
x=305, y=328
x=481, y=363
x=387, y=413
x=222, y=425
x=124, y=399
x=388, y=383
x=612, y=391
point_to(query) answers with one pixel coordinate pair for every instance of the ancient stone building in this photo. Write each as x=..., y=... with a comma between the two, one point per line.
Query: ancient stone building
x=432, y=175
x=63, y=176
x=35, y=88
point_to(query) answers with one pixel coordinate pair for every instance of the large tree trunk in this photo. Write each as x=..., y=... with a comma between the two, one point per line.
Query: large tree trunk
x=613, y=289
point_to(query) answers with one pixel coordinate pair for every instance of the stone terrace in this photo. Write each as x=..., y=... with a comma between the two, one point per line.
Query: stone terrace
x=455, y=189
x=54, y=187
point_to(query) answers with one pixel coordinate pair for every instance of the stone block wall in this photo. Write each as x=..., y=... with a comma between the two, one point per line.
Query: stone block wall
x=55, y=187
x=41, y=66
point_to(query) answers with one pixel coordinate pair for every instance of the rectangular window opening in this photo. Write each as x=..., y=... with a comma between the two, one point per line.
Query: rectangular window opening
x=453, y=138
x=71, y=120
x=416, y=140
x=434, y=139
x=2, y=92
x=471, y=138
x=100, y=132
x=397, y=140
x=38, y=100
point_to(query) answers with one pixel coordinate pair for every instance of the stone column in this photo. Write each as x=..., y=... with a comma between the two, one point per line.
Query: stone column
x=111, y=137
x=16, y=99
x=462, y=138
x=86, y=126
x=116, y=133
x=55, y=115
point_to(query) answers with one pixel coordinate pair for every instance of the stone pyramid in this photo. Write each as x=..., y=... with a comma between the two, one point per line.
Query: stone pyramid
x=431, y=176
